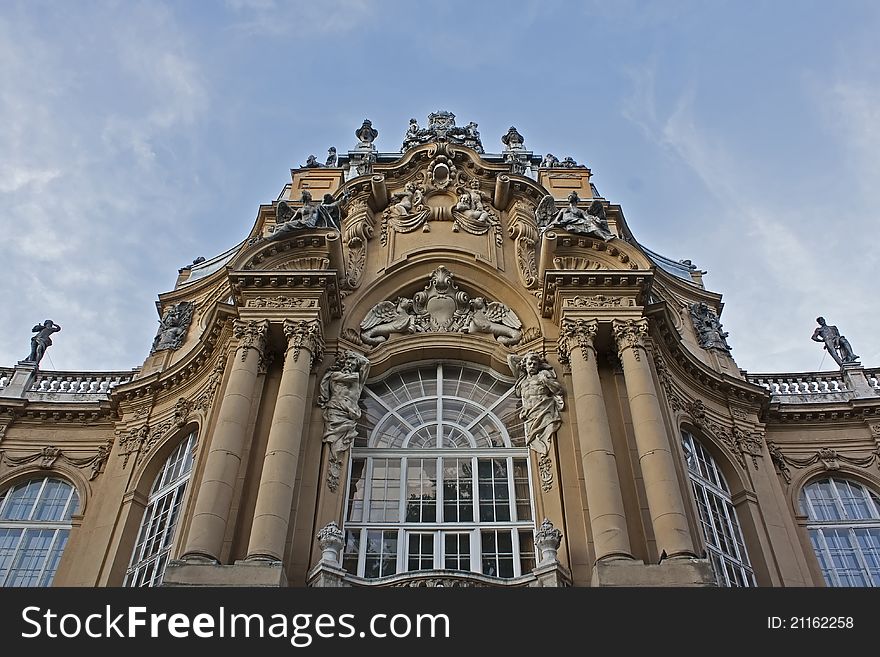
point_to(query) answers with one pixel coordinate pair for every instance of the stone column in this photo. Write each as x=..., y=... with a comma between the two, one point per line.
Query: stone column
x=665, y=501
x=214, y=498
x=607, y=516
x=305, y=346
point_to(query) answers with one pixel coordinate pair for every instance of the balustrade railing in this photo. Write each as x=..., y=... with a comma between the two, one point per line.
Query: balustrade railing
x=801, y=383
x=79, y=383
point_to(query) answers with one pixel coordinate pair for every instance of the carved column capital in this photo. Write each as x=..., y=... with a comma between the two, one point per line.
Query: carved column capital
x=630, y=333
x=576, y=333
x=253, y=334
x=304, y=334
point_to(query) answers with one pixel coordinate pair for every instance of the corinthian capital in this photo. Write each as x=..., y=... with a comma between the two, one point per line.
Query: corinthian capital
x=576, y=333
x=304, y=334
x=251, y=335
x=629, y=333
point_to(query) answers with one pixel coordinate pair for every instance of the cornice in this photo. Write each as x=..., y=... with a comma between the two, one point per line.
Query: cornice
x=324, y=283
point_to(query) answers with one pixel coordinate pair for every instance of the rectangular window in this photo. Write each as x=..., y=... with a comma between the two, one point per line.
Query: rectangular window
x=497, y=552
x=355, y=511
x=457, y=551
x=421, y=490
x=458, y=490
x=381, y=554
x=420, y=551
x=385, y=491
x=494, y=490
x=351, y=552
x=526, y=551
x=521, y=489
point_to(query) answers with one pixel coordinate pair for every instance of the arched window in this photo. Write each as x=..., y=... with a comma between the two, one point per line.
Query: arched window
x=721, y=530
x=156, y=535
x=844, y=525
x=439, y=477
x=34, y=526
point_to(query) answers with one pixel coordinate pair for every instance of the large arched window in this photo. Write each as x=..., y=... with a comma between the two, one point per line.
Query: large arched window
x=721, y=530
x=844, y=525
x=156, y=535
x=439, y=477
x=34, y=526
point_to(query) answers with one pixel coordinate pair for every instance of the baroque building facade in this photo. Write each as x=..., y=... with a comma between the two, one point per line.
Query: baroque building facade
x=457, y=368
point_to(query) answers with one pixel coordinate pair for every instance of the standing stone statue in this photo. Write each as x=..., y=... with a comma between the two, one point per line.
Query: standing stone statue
x=708, y=327
x=339, y=394
x=541, y=396
x=332, y=157
x=835, y=344
x=41, y=341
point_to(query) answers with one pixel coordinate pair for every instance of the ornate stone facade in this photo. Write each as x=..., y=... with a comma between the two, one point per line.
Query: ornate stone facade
x=493, y=326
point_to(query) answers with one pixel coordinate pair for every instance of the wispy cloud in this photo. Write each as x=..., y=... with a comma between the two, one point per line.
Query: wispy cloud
x=302, y=17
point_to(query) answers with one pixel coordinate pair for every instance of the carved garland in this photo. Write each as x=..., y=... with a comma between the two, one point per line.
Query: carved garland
x=357, y=232
x=523, y=229
x=829, y=458
x=48, y=456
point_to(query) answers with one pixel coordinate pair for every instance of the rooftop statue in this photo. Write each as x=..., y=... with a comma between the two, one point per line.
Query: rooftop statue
x=41, y=341
x=708, y=328
x=441, y=127
x=332, y=158
x=312, y=163
x=835, y=344
x=591, y=222
x=308, y=216
x=549, y=161
x=173, y=327
x=513, y=141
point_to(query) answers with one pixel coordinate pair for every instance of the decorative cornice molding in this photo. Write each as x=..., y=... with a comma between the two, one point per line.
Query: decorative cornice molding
x=831, y=459
x=595, y=301
x=576, y=333
x=304, y=334
x=281, y=302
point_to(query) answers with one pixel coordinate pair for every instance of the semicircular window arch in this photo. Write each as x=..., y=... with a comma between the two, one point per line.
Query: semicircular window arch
x=35, y=523
x=439, y=476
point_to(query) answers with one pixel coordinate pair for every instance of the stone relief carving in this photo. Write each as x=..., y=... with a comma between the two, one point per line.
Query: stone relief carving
x=630, y=333
x=357, y=231
x=834, y=343
x=541, y=397
x=308, y=216
x=778, y=460
x=281, y=302
x=831, y=459
x=596, y=301
x=406, y=212
x=441, y=127
x=49, y=455
x=474, y=214
x=251, y=334
x=522, y=228
x=708, y=328
x=173, y=326
x=181, y=412
x=340, y=390
x=441, y=307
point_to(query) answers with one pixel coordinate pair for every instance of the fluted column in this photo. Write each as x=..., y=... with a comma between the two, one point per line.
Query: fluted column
x=665, y=501
x=607, y=516
x=305, y=346
x=214, y=498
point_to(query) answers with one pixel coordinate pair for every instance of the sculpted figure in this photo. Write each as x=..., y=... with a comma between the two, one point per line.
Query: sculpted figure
x=340, y=391
x=708, y=327
x=549, y=161
x=386, y=318
x=403, y=202
x=513, y=141
x=835, y=344
x=291, y=220
x=573, y=219
x=541, y=396
x=332, y=158
x=173, y=327
x=330, y=210
x=367, y=134
x=494, y=318
x=471, y=210
x=41, y=341
x=312, y=162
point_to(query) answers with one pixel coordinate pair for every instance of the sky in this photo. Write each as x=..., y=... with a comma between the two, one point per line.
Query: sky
x=137, y=136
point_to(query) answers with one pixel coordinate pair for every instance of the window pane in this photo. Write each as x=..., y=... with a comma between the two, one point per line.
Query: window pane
x=494, y=490
x=351, y=552
x=355, y=511
x=457, y=551
x=385, y=491
x=421, y=490
x=381, y=557
x=420, y=552
x=458, y=489
x=526, y=551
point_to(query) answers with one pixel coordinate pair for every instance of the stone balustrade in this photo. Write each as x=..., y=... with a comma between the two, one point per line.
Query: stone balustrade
x=873, y=377
x=800, y=383
x=79, y=383
x=5, y=376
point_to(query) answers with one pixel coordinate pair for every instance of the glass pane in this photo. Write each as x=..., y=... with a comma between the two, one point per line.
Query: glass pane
x=494, y=490
x=526, y=551
x=420, y=552
x=21, y=500
x=421, y=490
x=53, y=501
x=381, y=556
x=355, y=509
x=458, y=489
x=385, y=491
x=457, y=551
x=351, y=552
x=521, y=488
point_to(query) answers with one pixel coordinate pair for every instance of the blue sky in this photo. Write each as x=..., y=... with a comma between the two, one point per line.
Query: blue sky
x=136, y=136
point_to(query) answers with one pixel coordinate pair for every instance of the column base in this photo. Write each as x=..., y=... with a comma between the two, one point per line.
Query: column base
x=326, y=575
x=672, y=572
x=241, y=573
x=551, y=575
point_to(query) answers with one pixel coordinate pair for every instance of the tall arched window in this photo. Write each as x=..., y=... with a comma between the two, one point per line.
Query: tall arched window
x=721, y=530
x=844, y=525
x=34, y=526
x=439, y=477
x=156, y=535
